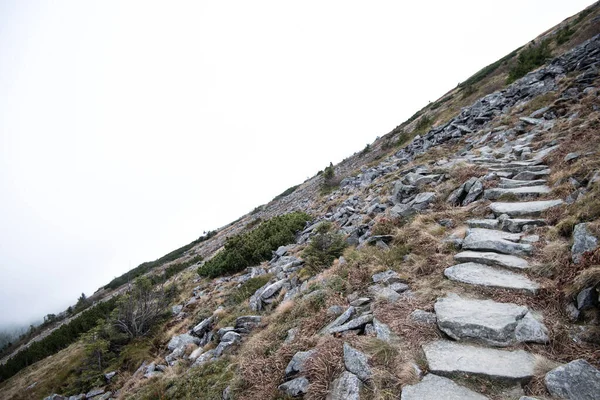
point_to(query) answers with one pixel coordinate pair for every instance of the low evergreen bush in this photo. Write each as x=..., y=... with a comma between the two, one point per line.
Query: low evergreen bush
x=252, y=248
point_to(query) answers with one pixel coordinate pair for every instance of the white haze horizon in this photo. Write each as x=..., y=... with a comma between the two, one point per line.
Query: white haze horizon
x=129, y=128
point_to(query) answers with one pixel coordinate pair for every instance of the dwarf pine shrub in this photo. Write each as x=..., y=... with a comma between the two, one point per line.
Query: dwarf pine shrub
x=324, y=247
x=254, y=247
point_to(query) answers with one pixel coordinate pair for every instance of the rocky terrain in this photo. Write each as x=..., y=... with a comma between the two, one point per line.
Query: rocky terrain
x=472, y=268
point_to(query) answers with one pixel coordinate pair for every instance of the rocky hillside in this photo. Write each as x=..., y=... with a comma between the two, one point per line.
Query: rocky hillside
x=455, y=257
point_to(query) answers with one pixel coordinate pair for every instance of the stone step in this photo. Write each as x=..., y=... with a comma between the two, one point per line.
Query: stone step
x=514, y=183
x=531, y=175
x=492, y=259
x=492, y=240
x=500, y=164
x=540, y=154
x=449, y=358
x=524, y=208
x=485, y=275
x=487, y=322
x=433, y=387
x=520, y=192
x=519, y=168
x=503, y=174
x=516, y=225
x=488, y=162
x=483, y=223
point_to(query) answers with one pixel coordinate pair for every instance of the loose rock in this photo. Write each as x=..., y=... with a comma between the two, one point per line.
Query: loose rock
x=577, y=380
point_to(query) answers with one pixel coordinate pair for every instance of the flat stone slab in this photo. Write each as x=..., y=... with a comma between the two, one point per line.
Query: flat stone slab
x=577, y=380
x=483, y=223
x=498, y=241
x=520, y=192
x=341, y=319
x=449, y=358
x=484, y=321
x=531, y=175
x=515, y=183
x=517, y=224
x=357, y=363
x=515, y=169
x=493, y=234
x=493, y=259
x=523, y=208
x=433, y=387
x=484, y=275
x=353, y=324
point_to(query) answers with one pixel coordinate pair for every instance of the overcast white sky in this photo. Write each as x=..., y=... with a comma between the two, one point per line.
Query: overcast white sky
x=127, y=128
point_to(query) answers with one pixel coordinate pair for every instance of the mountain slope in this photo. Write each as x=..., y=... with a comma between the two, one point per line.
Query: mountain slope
x=474, y=240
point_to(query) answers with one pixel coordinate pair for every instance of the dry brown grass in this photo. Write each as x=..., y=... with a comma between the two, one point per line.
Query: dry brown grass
x=551, y=259
x=263, y=358
x=261, y=367
x=396, y=315
x=587, y=278
x=463, y=172
x=324, y=366
x=428, y=254
x=46, y=373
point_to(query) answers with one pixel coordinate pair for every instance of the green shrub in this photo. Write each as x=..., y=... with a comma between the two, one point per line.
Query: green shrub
x=437, y=104
x=324, y=247
x=328, y=172
x=287, y=192
x=174, y=269
x=564, y=35
x=330, y=181
x=365, y=150
x=257, y=210
x=251, y=248
x=58, y=339
x=529, y=59
x=403, y=138
x=468, y=90
x=423, y=124
x=485, y=72
x=254, y=223
x=147, y=266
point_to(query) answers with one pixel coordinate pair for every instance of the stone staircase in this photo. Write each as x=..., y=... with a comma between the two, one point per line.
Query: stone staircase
x=494, y=254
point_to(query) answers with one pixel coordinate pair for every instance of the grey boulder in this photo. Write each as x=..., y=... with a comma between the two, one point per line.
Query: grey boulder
x=583, y=241
x=386, y=277
x=346, y=387
x=357, y=363
x=181, y=341
x=247, y=323
x=295, y=387
x=577, y=380
x=296, y=365
x=203, y=327
x=228, y=340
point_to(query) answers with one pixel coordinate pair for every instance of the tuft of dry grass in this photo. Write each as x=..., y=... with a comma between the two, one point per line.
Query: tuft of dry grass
x=323, y=367
x=552, y=258
x=397, y=316
x=463, y=172
x=587, y=278
x=263, y=357
x=48, y=378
